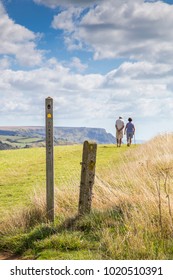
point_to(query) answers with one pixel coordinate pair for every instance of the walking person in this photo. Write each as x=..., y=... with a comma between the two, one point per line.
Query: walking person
x=129, y=131
x=119, y=131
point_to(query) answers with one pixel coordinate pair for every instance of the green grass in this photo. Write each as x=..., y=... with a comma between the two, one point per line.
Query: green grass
x=123, y=224
x=23, y=171
x=100, y=235
x=20, y=172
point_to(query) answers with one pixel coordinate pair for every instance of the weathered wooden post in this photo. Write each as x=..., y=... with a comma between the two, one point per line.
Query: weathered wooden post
x=87, y=177
x=49, y=159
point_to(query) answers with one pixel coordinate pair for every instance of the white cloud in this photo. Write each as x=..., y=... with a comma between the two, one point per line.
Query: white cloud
x=121, y=29
x=66, y=19
x=17, y=41
x=77, y=64
x=80, y=96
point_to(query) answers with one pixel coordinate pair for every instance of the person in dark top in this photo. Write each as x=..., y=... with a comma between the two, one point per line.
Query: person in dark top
x=129, y=131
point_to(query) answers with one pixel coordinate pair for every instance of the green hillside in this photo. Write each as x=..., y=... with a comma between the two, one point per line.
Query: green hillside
x=132, y=210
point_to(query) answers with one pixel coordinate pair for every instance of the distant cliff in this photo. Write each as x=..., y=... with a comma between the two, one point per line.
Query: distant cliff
x=24, y=137
x=80, y=134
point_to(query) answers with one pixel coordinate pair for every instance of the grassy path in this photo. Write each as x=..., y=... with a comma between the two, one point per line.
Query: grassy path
x=6, y=256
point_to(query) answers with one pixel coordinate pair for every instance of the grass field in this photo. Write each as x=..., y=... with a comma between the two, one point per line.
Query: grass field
x=23, y=171
x=132, y=211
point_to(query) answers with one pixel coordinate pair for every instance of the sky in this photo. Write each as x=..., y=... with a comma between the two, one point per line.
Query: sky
x=98, y=60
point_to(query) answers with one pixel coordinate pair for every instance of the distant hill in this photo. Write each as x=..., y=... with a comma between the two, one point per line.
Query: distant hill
x=80, y=134
x=25, y=137
x=5, y=146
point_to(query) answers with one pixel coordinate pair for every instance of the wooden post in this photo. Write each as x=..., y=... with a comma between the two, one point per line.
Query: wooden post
x=87, y=177
x=49, y=159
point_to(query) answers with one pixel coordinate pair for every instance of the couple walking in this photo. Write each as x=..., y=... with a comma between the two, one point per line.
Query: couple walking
x=129, y=131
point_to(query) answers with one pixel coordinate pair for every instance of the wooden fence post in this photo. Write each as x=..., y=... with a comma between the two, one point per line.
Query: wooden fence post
x=87, y=177
x=49, y=159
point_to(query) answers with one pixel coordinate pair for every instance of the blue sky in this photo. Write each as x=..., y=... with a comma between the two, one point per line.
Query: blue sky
x=97, y=59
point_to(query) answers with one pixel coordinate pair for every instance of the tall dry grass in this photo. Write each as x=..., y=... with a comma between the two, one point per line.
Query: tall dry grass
x=144, y=180
x=25, y=217
x=142, y=187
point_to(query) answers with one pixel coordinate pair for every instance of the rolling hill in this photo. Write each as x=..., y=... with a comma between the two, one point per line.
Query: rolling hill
x=34, y=136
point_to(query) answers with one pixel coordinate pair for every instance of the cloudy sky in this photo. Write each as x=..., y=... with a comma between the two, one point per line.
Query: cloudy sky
x=97, y=59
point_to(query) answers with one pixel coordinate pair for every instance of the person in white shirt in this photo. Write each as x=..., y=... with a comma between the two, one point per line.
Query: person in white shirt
x=119, y=131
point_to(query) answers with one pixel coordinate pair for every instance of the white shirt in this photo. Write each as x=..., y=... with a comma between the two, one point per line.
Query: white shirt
x=119, y=123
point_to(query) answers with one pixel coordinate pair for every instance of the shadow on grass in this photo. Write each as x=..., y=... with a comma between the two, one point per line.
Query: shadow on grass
x=88, y=225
